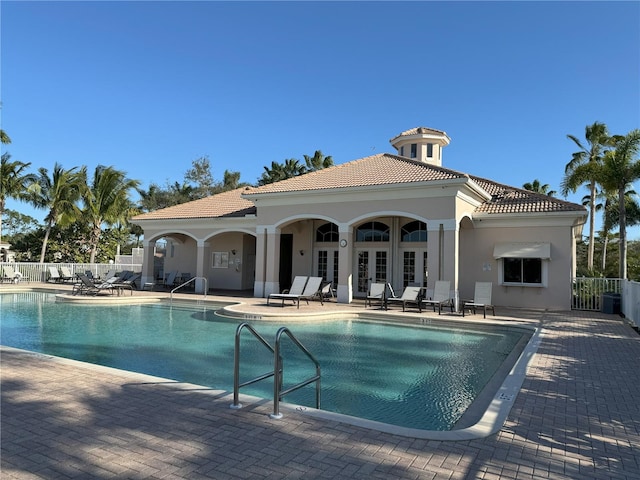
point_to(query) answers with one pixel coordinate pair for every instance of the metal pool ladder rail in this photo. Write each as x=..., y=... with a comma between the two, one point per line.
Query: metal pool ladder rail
x=277, y=373
x=186, y=283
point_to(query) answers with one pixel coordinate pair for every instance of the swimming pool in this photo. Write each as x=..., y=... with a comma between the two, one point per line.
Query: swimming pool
x=420, y=377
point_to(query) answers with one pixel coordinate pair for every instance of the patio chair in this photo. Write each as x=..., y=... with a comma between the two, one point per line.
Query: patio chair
x=311, y=290
x=128, y=284
x=297, y=287
x=66, y=275
x=9, y=274
x=441, y=296
x=170, y=279
x=481, y=299
x=411, y=295
x=376, y=293
x=327, y=290
x=54, y=275
x=110, y=274
x=87, y=287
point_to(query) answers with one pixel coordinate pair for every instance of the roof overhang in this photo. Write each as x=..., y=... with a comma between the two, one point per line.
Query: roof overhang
x=522, y=250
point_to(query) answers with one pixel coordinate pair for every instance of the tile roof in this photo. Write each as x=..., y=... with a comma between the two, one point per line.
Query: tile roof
x=226, y=204
x=376, y=170
x=380, y=169
x=418, y=130
x=387, y=169
x=506, y=199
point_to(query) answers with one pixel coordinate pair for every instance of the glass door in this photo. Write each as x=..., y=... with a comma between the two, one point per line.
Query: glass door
x=372, y=265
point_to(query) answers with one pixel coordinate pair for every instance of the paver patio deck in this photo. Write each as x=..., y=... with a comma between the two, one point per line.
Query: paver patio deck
x=577, y=416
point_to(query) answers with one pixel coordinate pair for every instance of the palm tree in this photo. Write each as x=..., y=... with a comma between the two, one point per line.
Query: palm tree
x=318, y=161
x=4, y=138
x=535, y=186
x=104, y=201
x=59, y=194
x=620, y=169
x=15, y=182
x=583, y=169
x=281, y=171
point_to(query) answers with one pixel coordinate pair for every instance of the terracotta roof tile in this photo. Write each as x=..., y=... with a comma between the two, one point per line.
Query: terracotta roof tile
x=226, y=204
x=380, y=169
x=506, y=199
x=418, y=130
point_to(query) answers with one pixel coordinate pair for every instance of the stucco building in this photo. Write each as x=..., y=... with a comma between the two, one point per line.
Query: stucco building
x=400, y=218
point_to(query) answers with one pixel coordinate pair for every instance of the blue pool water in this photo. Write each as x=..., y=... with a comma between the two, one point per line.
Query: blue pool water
x=409, y=376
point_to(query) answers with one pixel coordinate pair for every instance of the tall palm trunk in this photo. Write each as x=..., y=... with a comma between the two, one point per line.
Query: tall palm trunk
x=623, y=234
x=592, y=226
x=45, y=240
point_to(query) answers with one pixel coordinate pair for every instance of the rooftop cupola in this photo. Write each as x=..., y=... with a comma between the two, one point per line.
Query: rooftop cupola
x=421, y=143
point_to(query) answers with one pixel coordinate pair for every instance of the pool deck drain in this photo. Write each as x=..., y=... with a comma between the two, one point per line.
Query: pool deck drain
x=576, y=416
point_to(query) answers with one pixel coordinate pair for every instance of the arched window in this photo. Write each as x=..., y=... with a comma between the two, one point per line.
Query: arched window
x=327, y=232
x=372, y=232
x=415, y=231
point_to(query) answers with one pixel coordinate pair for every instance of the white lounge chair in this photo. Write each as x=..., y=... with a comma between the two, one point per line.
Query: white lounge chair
x=66, y=275
x=297, y=287
x=376, y=293
x=9, y=274
x=311, y=290
x=411, y=295
x=481, y=299
x=54, y=275
x=441, y=296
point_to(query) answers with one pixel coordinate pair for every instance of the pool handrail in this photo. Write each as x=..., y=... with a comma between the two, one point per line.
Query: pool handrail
x=278, y=393
x=187, y=282
x=236, y=363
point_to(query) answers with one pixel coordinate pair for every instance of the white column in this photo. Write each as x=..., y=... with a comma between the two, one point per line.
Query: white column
x=201, y=262
x=345, y=265
x=267, y=261
x=148, y=262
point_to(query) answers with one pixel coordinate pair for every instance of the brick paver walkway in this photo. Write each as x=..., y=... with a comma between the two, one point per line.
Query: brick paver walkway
x=577, y=416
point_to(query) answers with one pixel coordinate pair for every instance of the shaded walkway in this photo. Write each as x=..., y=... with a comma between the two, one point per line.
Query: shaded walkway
x=577, y=416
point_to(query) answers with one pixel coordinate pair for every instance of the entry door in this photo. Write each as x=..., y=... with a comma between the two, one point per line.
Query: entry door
x=372, y=265
x=414, y=267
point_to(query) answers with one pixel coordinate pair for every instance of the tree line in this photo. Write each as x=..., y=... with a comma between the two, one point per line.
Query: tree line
x=96, y=208
x=88, y=213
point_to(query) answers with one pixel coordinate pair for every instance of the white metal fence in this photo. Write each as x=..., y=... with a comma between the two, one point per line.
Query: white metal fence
x=39, y=272
x=588, y=293
x=600, y=294
x=631, y=302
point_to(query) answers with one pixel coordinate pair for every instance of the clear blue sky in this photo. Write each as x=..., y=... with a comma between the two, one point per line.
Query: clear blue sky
x=150, y=86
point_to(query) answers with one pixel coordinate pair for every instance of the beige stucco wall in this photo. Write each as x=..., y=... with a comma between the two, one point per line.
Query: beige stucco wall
x=478, y=264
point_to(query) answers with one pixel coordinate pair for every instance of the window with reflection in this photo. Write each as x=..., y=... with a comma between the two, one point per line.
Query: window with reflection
x=327, y=232
x=372, y=232
x=415, y=231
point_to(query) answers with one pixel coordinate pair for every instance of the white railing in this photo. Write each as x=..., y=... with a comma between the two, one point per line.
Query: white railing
x=588, y=292
x=631, y=302
x=594, y=293
x=39, y=272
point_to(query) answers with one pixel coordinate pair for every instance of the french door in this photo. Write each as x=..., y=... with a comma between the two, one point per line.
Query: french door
x=372, y=265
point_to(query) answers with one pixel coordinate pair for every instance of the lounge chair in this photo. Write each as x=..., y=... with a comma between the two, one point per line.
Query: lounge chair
x=66, y=275
x=128, y=284
x=411, y=295
x=327, y=290
x=54, y=275
x=87, y=287
x=170, y=279
x=311, y=290
x=441, y=296
x=297, y=287
x=376, y=293
x=110, y=274
x=481, y=299
x=9, y=274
